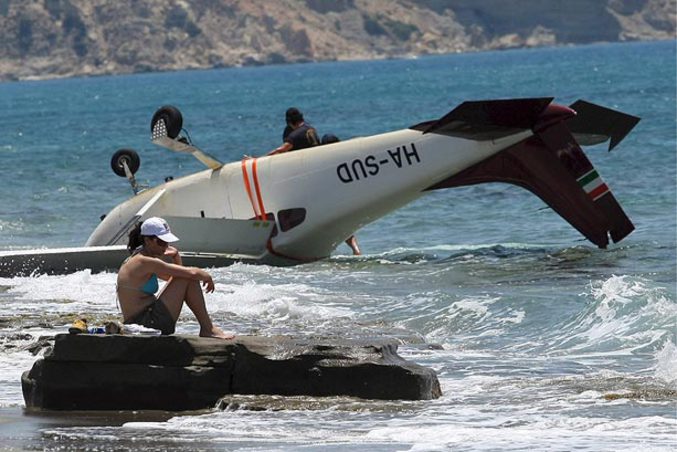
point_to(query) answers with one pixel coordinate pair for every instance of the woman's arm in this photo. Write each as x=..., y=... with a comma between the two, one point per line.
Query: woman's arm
x=173, y=256
x=160, y=267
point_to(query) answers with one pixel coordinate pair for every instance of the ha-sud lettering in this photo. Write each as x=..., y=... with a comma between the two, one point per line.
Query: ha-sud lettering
x=371, y=165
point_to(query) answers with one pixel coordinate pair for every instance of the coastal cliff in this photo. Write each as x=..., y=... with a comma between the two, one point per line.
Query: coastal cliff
x=61, y=38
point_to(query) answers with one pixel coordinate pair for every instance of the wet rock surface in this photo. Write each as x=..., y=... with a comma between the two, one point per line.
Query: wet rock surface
x=177, y=373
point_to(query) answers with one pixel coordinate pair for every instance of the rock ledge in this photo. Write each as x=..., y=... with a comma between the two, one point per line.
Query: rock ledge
x=177, y=373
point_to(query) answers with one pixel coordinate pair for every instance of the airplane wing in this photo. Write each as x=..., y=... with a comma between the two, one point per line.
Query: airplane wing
x=491, y=119
x=488, y=120
x=208, y=242
x=61, y=260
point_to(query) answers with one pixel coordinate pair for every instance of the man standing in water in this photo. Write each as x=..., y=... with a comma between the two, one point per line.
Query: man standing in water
x=138, y=276
x=352, y=240
x=298, y=134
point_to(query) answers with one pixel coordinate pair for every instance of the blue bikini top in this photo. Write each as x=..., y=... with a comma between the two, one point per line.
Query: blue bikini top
x=151, y=285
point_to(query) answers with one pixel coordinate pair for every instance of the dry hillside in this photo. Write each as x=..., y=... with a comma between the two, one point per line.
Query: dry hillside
x=56, y=38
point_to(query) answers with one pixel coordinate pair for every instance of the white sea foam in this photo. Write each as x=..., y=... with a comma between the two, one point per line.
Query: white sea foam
x=63, y=294
x=474, y=317
x=12, y=365
x=473, y=307
x=83, y=292
x=450, y=435
x=626, y=316
x=10, y=226
x=262, y=427
x=273, y=302
x=666, y=364
x=13, y=362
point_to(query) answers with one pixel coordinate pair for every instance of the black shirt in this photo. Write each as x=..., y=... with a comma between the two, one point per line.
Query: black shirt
x=287, y=131
x=303, y=137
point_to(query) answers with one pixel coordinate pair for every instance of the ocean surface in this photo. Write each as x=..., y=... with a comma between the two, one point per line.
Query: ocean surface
x=547, y=343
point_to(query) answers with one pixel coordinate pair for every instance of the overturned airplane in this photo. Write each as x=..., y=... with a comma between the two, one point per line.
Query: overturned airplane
x=299, y=206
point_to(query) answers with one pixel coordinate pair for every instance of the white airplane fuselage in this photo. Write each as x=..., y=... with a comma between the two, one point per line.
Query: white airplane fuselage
x=299, y=206
x=342, y=187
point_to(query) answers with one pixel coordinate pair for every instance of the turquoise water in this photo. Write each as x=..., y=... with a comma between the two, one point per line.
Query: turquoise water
x=540, y=331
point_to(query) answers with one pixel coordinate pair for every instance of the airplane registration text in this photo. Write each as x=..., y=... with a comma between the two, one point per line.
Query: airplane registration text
x=371, y=165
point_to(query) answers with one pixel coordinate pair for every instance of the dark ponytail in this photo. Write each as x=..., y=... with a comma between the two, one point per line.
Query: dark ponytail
x=135, y=238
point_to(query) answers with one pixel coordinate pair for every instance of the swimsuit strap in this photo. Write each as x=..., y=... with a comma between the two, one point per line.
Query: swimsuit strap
x=136, y=251
x=150, y=287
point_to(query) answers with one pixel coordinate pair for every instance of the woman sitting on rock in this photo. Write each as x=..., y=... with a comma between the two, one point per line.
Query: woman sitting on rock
x=138, y=282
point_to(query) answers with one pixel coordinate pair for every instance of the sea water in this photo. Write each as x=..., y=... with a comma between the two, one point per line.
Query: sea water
x=545, y=342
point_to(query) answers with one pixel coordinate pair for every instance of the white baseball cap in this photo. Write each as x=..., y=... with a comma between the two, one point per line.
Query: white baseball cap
x=155, y=226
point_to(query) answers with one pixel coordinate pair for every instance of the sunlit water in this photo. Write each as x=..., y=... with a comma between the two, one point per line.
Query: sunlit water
x=546, y=342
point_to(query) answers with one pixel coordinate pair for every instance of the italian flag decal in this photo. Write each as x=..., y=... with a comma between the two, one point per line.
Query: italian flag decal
x=593, y=185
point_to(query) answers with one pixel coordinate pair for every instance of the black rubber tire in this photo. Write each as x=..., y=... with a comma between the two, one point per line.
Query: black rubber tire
x=125, y=155
x=173, y=120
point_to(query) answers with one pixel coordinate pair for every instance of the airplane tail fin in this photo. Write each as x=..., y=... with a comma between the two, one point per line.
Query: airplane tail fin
x=560, y=142
x=552, y=165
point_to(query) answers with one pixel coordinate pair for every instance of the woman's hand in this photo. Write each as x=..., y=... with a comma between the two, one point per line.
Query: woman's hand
x=208, y=284
x=173, y=254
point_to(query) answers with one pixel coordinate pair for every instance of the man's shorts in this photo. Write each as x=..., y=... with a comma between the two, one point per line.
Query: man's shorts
x=155, y=316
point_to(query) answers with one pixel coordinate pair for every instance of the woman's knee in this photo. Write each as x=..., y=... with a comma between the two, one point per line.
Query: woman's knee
x=180, y=289
x=194, y=285
x=180, y=282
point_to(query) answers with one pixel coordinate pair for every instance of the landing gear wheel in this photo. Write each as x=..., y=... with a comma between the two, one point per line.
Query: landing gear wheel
x=172, y=118
x=128, y=156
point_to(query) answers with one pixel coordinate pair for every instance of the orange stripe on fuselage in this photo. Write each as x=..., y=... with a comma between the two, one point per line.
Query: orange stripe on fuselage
x=248, y=187
x=258, y=190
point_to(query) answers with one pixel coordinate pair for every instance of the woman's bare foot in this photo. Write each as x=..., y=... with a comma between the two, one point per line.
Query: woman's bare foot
x=218, y=333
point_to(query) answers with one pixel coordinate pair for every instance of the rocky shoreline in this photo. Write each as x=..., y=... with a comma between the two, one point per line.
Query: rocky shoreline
x=48, y=39
x=179, y=373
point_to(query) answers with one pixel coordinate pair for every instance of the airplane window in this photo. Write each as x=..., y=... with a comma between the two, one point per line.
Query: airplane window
x=290, y=218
